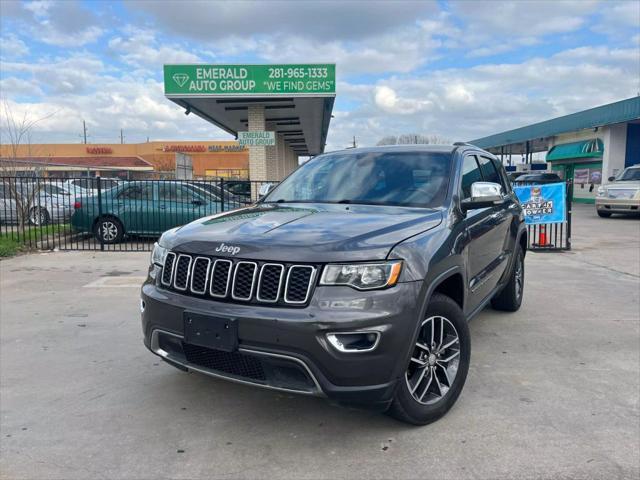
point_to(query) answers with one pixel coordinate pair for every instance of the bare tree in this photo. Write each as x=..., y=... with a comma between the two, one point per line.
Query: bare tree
x=388, y=140
x=437, y=140
x=413, y=139
x=16, y=132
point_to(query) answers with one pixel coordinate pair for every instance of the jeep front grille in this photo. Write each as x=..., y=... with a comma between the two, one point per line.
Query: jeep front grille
x=167, y=270
x=182, y=272
x=244, y=277
x=240, y=280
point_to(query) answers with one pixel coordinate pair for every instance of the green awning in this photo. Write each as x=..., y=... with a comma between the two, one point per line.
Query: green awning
x=586, y=149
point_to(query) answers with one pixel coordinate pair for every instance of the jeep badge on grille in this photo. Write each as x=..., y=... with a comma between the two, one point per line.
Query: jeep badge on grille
x=233, y=250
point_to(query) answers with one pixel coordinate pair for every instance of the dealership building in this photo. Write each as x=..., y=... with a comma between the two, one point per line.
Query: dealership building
x=586, y=147
x=131, y=160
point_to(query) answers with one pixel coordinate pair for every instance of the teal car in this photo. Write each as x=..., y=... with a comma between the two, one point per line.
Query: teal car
x=144, y=208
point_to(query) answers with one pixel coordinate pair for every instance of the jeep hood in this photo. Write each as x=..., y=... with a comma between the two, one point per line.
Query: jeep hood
x=313, y=233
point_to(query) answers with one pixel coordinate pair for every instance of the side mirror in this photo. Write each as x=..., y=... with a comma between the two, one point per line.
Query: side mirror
x=611, y=179
x=265, y=188
x=483, y=195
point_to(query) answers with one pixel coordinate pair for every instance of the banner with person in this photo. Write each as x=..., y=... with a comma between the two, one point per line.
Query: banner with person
x=543, y=203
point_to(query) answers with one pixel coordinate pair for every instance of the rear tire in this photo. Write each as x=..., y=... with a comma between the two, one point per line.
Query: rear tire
x=438, y=366
x=39, y=216
x=510, y=298
x=109, y=230
x=604, y=214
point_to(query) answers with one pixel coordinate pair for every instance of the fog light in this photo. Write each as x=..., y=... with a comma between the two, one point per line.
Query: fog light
x=354, y=341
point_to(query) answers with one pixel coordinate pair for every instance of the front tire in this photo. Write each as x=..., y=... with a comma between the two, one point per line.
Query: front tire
x=109, y=230
x=603, y=214
x=438, y=365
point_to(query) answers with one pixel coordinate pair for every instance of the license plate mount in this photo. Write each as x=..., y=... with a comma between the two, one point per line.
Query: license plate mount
x=219, y=333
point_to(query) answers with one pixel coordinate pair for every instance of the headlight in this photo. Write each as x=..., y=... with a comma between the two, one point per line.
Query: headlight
x=158, y=254
x=602, y=191
x=363, y=276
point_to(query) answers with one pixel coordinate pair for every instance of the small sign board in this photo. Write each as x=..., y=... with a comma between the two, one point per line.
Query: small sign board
x=223, y=80
x=543, y=203
x=184, y=166
x=257, y=138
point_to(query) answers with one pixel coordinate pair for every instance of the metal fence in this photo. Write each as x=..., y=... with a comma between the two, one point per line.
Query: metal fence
x=552, y=236
x=86, y=213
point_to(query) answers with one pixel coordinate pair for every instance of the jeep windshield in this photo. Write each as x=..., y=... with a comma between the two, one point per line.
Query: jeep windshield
x=414, y=179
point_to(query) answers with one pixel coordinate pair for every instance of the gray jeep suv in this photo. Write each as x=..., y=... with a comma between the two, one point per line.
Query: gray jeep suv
x=353, y=279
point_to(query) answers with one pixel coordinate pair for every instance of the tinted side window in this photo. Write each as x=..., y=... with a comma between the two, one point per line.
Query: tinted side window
x=489, y=172
x=137, y=192
x=171, y=192
x=470, y=174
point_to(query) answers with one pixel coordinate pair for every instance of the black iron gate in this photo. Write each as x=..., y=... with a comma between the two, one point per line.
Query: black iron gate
x=93, y=213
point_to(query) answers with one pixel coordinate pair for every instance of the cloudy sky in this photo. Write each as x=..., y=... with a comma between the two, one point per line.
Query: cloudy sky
x=458, y=69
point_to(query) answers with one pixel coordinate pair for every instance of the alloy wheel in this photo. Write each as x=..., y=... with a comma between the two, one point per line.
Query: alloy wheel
x=38, y=217
x=434, y=362
x=109, y=231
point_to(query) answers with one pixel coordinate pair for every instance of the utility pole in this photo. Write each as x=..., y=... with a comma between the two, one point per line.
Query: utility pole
x=84, y=132
x=354, y=142
x=121, y=137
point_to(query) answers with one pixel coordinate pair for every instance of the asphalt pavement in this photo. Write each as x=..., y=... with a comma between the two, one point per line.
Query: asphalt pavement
x=552, y=392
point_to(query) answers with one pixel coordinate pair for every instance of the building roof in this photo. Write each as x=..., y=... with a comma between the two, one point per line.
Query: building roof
x=617, y=112
x=93, y=162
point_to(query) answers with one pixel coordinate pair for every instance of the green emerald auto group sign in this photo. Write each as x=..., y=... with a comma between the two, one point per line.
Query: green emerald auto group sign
x=310, y=79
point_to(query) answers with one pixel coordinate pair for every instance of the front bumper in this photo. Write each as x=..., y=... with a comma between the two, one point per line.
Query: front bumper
x=286, y=348
x=618, y=205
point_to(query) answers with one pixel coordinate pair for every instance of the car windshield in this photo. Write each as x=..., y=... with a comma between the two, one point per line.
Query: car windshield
x=418, y=179
x=629, y=174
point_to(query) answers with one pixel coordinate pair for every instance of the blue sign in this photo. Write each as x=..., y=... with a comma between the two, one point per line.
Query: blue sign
x=543, y=203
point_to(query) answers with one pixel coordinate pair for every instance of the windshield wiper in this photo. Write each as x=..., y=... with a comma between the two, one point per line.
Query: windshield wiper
x=346, y=200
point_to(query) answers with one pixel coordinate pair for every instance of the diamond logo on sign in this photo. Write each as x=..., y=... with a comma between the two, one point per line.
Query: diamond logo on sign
x=181, y=78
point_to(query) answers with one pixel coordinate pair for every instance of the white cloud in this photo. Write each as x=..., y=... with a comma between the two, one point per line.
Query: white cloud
x=78, y=73
x=139, y=107
x=462, y=104
x=141, y=48
x=318, y=20
x=618, y=17
x=64, y=24
x=14, y=87
x=387, y=100
x=12, y=47
x=524, y=18
x=493, y=27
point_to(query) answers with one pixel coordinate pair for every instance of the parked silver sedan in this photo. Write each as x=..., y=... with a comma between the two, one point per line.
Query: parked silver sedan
x=47, y=203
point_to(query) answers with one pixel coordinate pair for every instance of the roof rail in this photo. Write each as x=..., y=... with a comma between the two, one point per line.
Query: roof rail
x=460, y=144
